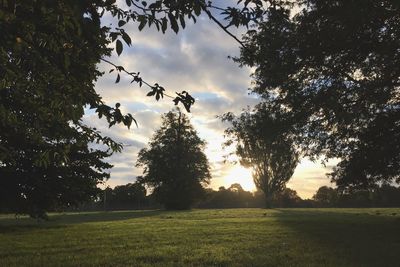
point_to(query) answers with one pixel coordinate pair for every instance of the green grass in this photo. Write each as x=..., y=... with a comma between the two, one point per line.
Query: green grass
x=233, y=237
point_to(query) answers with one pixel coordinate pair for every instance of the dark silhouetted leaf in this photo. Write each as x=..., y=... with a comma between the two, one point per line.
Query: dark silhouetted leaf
x=174, y=23
x=164, y=24
x=143, y=22
x=126, y=38
x=182, y=20
x=119, y=47
x=121, y=23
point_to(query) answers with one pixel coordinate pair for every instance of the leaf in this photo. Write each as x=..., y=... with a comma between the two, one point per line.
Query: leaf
x=151, y=93
x=126, y=38
x=134, y=120
x=114, y=35
x=128, y=2
x=121, y=23
x=111, y=124
x=182, y=20
x=143, y=22
x=164, y=24
x=197, y=8
x=119, y=47
x=174, y=24
x=118, y=78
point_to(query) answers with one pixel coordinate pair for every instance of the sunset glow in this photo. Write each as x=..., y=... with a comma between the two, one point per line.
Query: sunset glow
x=241, y=175
x=217, y=84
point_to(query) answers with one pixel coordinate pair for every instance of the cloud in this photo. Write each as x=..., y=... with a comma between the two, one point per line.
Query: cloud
x=195, y=60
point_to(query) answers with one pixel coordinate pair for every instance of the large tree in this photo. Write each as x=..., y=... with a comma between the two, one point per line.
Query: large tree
x=335, y=66
x=175, y=166
x=49, y=52
x=263, y=144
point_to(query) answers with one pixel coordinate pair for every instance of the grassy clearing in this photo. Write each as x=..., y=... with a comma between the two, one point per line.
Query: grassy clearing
x=234, y=237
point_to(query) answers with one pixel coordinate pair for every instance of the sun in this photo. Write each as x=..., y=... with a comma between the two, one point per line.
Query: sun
x=242, y=176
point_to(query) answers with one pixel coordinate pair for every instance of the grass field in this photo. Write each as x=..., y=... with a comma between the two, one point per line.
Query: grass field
x=232, y=237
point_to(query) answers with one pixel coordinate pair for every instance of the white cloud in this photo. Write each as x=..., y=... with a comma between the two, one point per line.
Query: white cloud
x=194, y=60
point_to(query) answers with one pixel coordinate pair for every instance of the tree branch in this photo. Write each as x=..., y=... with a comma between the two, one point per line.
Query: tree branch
x=211, y=16
x=132, y=74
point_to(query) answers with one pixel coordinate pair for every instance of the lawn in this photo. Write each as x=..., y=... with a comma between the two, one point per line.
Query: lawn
x=231, y=237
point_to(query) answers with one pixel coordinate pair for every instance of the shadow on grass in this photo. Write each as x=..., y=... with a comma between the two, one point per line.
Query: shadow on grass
x=353, y=239
x=61, y=220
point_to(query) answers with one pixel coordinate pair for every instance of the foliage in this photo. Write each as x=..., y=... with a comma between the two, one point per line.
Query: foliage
x=236, y=197
x=49, y=53
x=129, y=196
x=334, y=65
x=326, y=196
x=381, y=196
x=233, y=197
x=263, y=144
x=288, y=198
x=175, y=166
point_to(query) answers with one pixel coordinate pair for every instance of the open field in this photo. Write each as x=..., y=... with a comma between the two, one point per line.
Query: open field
x=233, y=237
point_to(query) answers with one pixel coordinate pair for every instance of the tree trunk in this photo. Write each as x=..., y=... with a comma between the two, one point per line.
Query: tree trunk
x=268, y=201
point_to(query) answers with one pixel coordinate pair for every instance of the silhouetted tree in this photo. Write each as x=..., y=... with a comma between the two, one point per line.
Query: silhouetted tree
x=386, y=196
x=334, y=66
x=239, y=197
x=379, y=196
x=287, y=198
x=326, y=196
x=175, y=166
x=48, y=53
x=129, y=196
x=263, y=144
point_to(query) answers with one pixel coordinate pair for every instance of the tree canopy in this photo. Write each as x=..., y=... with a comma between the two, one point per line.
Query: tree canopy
x=48, y=53
x=263, y=144
x=175, y=166
x=334, y=66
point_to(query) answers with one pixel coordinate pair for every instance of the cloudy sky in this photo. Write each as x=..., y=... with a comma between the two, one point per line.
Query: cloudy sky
x=195, y=60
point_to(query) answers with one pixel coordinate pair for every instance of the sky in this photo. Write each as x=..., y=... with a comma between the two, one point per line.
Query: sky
x=195, y=60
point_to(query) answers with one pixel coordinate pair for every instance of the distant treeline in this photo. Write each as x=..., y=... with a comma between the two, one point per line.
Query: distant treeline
x=133, y=196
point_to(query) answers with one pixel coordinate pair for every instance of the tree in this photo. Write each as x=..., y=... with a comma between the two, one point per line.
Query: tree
x=287, y=198
x=263, y=144
x=129, y=196
x=175, y=166
x=335, y=66
x=326, y=196
x=233, y=197
x=49, y=53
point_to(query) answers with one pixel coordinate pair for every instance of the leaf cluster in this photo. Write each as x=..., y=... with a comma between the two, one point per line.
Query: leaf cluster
x=334, y=65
